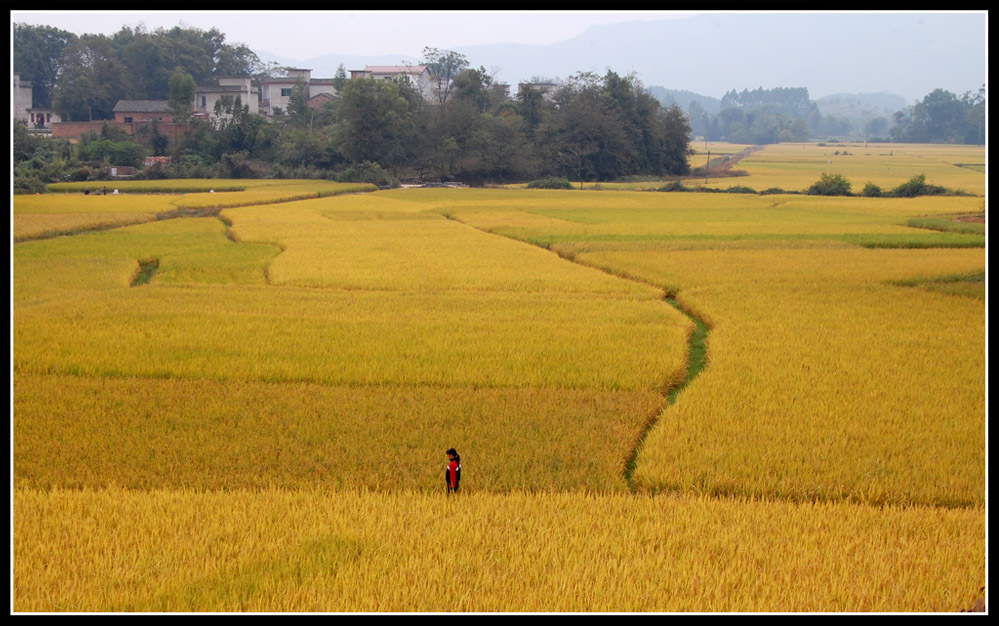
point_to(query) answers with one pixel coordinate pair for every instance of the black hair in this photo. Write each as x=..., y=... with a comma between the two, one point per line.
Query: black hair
x=452, y=451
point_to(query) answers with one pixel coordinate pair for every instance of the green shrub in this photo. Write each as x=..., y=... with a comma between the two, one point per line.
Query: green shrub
x=122, y=153
x=917, y=186
x=367, y=172
x=872, y=191
x=550, y=182
x=673, y=185
x=28, y=184
x=830, y=185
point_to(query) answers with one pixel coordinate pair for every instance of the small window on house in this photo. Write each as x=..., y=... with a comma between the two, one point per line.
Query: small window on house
x=128, y=120
x=285, y=93
x=204, y=101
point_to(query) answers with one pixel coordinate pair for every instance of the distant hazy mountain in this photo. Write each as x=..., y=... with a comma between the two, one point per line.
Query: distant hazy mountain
x=829, y=53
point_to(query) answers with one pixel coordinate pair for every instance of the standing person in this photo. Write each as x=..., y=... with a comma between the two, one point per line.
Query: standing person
x=452, y=475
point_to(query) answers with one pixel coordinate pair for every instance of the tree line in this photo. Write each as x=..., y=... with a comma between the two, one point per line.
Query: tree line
x=764, y=116
x=592, y=127
x=82, y=77
x=943, y=117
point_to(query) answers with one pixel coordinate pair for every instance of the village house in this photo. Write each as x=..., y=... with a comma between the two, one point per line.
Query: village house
x=276, y=92
x=318, y=101
x=205, y=96
x=135, y=117
x=36, y=119
x=139, y=111
x=418, y=76
x=22, y=96
x=270, y=99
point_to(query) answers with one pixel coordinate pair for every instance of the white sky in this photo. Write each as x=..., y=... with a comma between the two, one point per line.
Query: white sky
x=307, y=34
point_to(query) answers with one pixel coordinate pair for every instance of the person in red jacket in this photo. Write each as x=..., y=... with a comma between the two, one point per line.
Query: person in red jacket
x=452, y=475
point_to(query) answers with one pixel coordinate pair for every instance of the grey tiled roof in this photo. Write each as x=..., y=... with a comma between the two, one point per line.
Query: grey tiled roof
x=141, y=106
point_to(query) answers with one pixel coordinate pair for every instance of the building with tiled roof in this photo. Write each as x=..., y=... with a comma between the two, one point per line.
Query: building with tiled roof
x=205, y=96
x=417, y=75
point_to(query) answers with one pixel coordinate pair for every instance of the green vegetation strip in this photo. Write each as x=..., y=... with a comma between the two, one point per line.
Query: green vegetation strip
x=937, y=239
x=147, y=268
x=697, y=359
x=952, y=224
x=970, y=285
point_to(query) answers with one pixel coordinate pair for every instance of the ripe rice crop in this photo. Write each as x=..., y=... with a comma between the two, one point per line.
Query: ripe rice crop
x=571, y=217
x=355, y=337
x=529, y=356
x=76, y=432
x=360, y=551
x=195, y=320
x=794, y=167
x=371, y=243
x=49, y=215
x=290, y=191
x=261, y=426
x=814, y=355
x=843, y=393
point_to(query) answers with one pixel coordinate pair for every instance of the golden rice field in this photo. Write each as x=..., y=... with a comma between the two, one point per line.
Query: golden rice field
x=39, y=216
x=357, y=551
x=795, y=167
x=260, y=425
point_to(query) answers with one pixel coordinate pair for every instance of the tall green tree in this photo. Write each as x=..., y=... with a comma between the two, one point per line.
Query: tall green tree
x=374, y=123
x=475, y=86
x=975, y=110
x=298, y=104
x=532, y=107
x=941, y=117
x=91, y=80
x=36, y=53
x=236, y=129
x=181, y=95
x=606, y=127
x=340, y=79
x=444, y=66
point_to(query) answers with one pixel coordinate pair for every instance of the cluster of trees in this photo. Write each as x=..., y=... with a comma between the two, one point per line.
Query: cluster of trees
x=82, y=77
x=764, y=116
x=760, y=116
x=838, y=185
x=592, y=127
x=943, y=117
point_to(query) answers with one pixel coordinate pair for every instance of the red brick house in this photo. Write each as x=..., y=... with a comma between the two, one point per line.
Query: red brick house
x=130, y=115
x=136, y=111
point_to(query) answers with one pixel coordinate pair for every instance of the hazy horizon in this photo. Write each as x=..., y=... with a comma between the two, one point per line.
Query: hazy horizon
x=710, y=53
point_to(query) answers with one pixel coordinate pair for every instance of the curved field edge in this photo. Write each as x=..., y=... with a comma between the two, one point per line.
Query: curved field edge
x=79, y=432
x=355, y=550
x=777, y=379
x=814, y=437
x=70, y=213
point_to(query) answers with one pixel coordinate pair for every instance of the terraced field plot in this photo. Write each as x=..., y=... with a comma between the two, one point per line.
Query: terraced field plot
x=794, y=167
x=261, y=426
